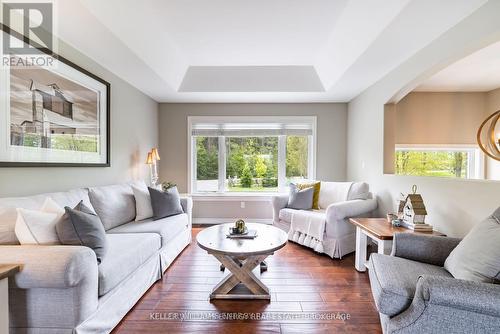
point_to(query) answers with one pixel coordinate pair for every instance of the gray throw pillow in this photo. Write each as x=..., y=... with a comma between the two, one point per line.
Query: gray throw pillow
x=165, y=203
x=300, y=199
x=477, y=256
x=82, y=227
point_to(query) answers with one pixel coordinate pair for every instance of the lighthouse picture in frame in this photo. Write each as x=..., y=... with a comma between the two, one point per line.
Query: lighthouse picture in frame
x=53, y=116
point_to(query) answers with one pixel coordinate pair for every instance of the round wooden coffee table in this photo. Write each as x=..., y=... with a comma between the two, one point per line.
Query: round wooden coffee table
x=242, y=257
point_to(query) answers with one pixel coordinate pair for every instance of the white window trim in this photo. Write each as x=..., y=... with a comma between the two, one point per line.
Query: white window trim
x=222, y=158
x=476, y=167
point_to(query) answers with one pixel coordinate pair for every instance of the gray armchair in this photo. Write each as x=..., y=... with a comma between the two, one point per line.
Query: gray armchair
x=415, y=294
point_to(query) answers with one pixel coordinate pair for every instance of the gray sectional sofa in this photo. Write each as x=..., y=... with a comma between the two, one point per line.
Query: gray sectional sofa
x=62, y=289
x=414, y=293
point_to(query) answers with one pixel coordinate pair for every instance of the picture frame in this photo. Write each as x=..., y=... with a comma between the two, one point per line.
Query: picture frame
x=57, y=116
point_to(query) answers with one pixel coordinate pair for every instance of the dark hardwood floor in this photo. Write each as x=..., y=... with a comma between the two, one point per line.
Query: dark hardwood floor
x=302, y=283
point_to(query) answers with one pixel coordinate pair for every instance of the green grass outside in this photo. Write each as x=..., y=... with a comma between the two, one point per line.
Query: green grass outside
x=254, y=188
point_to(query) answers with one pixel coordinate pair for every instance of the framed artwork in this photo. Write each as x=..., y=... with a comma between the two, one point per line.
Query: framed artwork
x=52, y=116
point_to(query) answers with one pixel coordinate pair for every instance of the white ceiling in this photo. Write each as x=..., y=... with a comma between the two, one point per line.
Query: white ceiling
x=255, y=51
x=479, y=72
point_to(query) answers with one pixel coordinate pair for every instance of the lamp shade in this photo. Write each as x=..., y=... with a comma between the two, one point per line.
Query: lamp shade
x=155, y=154
x=149, y=159
x=488, y=136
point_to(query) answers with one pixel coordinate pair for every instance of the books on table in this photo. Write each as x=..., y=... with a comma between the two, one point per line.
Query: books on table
x=418, y=227
x=250, y=235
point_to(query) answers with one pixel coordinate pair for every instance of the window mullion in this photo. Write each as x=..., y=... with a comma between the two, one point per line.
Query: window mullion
x=310, y=158
x=194, y=164
x=222, y=164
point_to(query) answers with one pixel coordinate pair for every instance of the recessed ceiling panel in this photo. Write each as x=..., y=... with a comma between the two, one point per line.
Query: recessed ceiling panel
x=251, y=79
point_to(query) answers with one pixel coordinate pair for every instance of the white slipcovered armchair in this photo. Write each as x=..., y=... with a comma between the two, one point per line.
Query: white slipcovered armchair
x=338, y=201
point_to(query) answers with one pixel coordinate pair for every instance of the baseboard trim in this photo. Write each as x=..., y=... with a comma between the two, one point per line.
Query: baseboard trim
x=216, y=221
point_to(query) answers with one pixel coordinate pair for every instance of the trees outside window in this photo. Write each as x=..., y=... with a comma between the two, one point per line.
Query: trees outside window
x=251, y=163
x=207, y=163
x=453, y=163
x=296, y=157
x=250, y=154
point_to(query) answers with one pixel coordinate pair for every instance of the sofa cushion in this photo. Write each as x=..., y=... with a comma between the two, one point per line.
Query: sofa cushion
x=286, y=215
x=333, y=192
x=36, y=227
x=317, y=187
x=126, y=253
x=168, y=228
x=477, y=256
x=300, y=199
x=359, y=190
x=142, y=201
x=393, y=281
x=82, y=227
x=8, y=212
x=114, y=204
x=165, y=203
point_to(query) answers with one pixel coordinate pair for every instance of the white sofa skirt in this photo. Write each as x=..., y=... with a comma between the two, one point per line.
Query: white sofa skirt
x=335, y=247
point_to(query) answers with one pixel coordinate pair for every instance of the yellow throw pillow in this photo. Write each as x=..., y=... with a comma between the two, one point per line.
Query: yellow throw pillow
x=317, y=187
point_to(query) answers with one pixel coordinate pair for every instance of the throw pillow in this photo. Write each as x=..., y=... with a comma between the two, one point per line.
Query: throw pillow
x=317, y=187
x=300, y=199
x=477, y=256
x=82, y=227
x=144, y=210
x=36, y=227
x=165, y=203
x=50, y=206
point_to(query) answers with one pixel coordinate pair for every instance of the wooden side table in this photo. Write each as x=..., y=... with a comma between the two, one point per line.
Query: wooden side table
x=6, y=271
x=380, y=231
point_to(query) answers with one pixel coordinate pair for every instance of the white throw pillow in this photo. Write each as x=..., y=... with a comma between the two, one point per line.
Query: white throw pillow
x=50, y=206
x=36, y=227
x=39, y=227
x=144, y=209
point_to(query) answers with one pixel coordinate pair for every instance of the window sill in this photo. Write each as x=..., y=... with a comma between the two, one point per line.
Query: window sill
x=258, y=197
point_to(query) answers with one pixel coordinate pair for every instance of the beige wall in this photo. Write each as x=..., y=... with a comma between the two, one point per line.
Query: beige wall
x=331, y=147
x=439, y=118
x=435, y=118
x=454, y=206
x=134, y=130
x=389, y=137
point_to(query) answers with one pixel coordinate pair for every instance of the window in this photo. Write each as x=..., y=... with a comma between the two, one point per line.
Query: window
x=251, y=164
x=207, y=166
x=462, y=161
x=249, y=154
x=297, y=162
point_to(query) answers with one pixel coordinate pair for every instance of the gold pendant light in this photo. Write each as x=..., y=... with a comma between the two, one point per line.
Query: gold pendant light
x=488, y=136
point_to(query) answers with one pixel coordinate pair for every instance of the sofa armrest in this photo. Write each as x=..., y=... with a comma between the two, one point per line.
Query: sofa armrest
x=341, y=210
x=470, y=296
x=423, y=248
x=50, y=266
x=279, y=202
x=187, y=206
x=444, y=304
